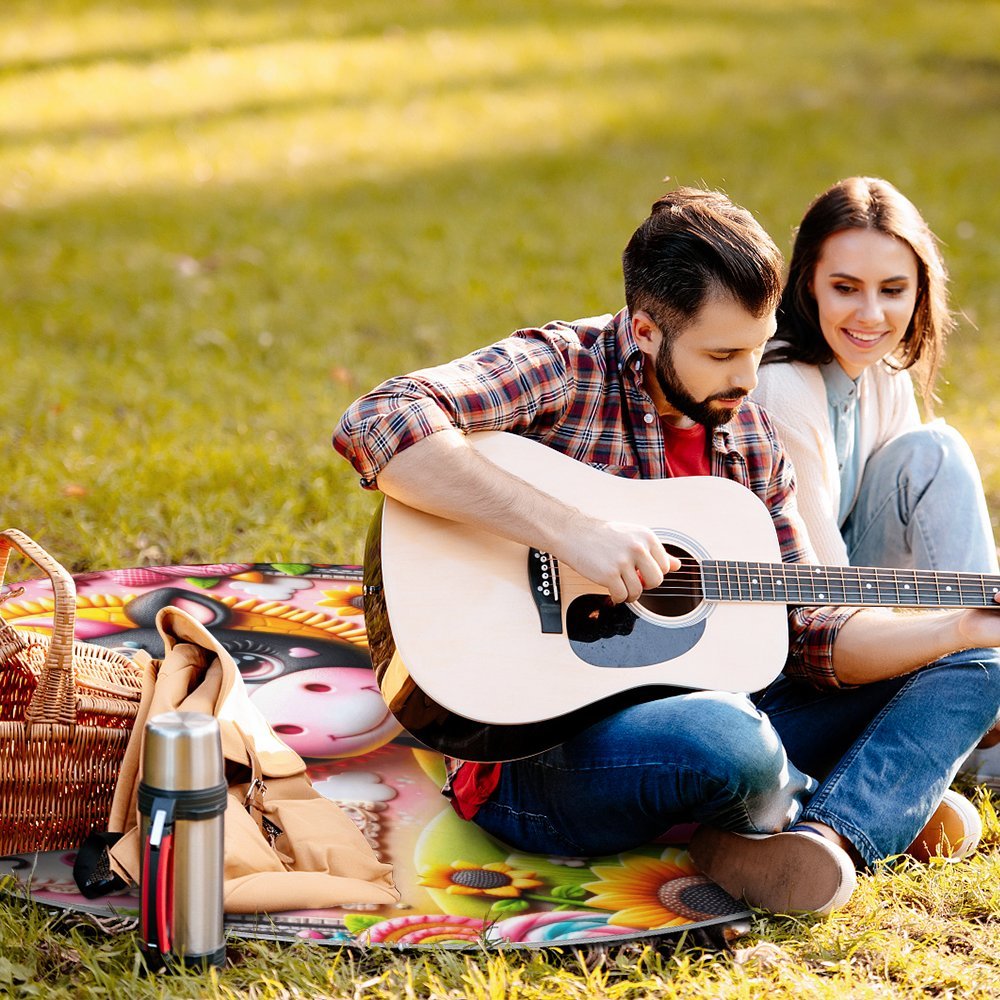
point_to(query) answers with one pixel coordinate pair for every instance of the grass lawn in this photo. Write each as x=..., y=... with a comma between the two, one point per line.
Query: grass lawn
x=220, y=222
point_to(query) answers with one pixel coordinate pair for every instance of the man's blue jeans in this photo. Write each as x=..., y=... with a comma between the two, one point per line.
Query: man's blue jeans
x=872, y=762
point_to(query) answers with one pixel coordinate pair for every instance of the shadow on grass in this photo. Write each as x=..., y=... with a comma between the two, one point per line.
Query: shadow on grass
x=248, y=23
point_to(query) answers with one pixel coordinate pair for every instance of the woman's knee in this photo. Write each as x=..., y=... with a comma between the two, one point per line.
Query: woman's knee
x=927, y=452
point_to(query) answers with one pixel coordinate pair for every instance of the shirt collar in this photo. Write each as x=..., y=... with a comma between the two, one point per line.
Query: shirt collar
x=722, y=440
x=840, y=387
x=632, y=361
x=630, y=357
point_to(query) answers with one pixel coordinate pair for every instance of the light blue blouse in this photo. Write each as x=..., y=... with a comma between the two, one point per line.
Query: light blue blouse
x=842, y=402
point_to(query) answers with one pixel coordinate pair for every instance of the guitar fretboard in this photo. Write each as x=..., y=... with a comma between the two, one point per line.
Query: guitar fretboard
x=794, y=583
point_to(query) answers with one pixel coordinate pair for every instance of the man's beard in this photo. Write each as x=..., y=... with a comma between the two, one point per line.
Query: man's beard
x=680, y=399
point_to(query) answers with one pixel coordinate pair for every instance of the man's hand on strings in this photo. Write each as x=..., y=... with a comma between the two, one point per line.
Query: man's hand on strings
x=624, y=558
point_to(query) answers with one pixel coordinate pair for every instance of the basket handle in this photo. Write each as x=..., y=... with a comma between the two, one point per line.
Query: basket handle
x=54, y=700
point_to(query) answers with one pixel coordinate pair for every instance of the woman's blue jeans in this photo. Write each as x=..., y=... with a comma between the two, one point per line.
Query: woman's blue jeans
x=872, y=762
x=920, y=505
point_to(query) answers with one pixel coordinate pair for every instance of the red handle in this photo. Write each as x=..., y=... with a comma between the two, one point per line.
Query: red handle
x=156, y=909
x=165, y=893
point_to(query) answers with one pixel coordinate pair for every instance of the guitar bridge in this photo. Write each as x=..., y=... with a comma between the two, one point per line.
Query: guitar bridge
x=543, y=578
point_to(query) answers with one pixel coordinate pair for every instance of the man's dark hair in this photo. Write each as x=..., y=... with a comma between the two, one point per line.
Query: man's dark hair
x=694, y=244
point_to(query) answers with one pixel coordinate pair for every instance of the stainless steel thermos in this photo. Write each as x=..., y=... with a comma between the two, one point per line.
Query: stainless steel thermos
x=182, y=801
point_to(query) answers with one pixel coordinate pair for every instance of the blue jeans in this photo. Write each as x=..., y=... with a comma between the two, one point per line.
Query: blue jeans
x=886, y=752
x=921, y=506
x=872, y=762
x=696, y=756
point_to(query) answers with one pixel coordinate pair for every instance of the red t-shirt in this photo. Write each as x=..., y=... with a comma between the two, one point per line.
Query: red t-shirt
x=686, y=450
x=686, y=455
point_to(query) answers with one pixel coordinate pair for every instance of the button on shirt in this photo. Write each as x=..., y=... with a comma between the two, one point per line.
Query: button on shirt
x=842, y=402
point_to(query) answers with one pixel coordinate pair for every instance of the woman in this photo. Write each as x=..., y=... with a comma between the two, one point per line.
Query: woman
x=865, y=304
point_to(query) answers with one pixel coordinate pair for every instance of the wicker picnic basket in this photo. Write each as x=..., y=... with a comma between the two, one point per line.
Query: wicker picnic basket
x=66, y=711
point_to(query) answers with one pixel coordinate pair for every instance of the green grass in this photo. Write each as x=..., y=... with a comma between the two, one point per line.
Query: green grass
x=910, y=932
x=221, y=221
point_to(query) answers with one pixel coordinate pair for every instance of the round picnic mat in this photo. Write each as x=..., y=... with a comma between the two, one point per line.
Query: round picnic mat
x=297, y=634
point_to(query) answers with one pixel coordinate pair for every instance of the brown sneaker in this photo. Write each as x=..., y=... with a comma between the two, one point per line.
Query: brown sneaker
x=953, y=831
x=789, y=872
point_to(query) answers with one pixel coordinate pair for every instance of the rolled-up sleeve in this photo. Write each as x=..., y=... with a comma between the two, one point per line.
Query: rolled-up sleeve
x=812, y=632
x=382, y=423
x=515, y=384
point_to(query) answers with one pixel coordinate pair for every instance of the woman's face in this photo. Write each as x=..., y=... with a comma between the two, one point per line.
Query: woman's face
x=865, y=285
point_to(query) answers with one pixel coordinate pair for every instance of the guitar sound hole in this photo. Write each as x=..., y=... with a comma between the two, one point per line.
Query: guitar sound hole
x=680, y=593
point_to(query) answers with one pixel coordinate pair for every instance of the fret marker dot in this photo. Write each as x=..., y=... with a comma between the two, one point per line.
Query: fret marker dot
x=823, y=596
x=947, y=588
x=868, y=586
x=906, y=586
x=753, y=579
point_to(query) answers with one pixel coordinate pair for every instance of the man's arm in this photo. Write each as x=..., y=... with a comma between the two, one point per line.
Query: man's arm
x=444, y=475
x=877, y=643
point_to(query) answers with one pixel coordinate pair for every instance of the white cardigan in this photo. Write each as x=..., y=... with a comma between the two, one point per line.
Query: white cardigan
x=794, y=395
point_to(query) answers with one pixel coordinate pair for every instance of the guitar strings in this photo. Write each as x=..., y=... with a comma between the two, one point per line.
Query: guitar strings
x=690, y=581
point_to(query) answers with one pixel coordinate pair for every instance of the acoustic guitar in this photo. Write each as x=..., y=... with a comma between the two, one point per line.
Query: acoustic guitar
x=487, y=650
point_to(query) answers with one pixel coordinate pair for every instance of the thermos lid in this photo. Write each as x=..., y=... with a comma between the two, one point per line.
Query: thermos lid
x=182, y=752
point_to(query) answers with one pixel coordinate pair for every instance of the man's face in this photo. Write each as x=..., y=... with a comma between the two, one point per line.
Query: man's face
x=703, y=374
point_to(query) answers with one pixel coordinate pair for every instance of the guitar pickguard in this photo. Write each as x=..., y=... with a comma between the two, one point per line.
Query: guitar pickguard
x=613, y=635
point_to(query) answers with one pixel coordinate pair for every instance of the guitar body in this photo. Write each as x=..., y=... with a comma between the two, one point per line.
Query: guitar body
x=484, y=667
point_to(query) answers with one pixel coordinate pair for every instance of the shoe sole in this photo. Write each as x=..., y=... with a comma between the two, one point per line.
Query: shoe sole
x=782, y=872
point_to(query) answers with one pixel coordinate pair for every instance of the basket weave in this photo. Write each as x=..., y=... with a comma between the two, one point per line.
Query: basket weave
x=66, y=711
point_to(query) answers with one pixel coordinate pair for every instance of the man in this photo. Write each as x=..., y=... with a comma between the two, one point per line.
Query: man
x=851, y=750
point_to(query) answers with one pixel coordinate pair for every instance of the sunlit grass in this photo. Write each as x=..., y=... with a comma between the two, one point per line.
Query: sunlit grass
x=219, y=222
x=912, y=932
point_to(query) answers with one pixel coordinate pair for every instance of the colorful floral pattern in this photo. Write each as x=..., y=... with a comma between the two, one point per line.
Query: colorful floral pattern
x=555, y=926
x=346, y=602
x=651, y=893
x=425, y=930
x=153, y=576
x=494, y=879
x=461, y=888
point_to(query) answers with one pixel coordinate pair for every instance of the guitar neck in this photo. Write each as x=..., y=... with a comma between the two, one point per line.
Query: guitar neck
x=801, y=583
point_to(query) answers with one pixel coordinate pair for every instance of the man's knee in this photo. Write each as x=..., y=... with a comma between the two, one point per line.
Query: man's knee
x=967, y=682
x=735, y=740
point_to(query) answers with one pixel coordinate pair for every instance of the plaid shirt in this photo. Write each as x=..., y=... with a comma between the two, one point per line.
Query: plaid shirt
x=577, y=387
